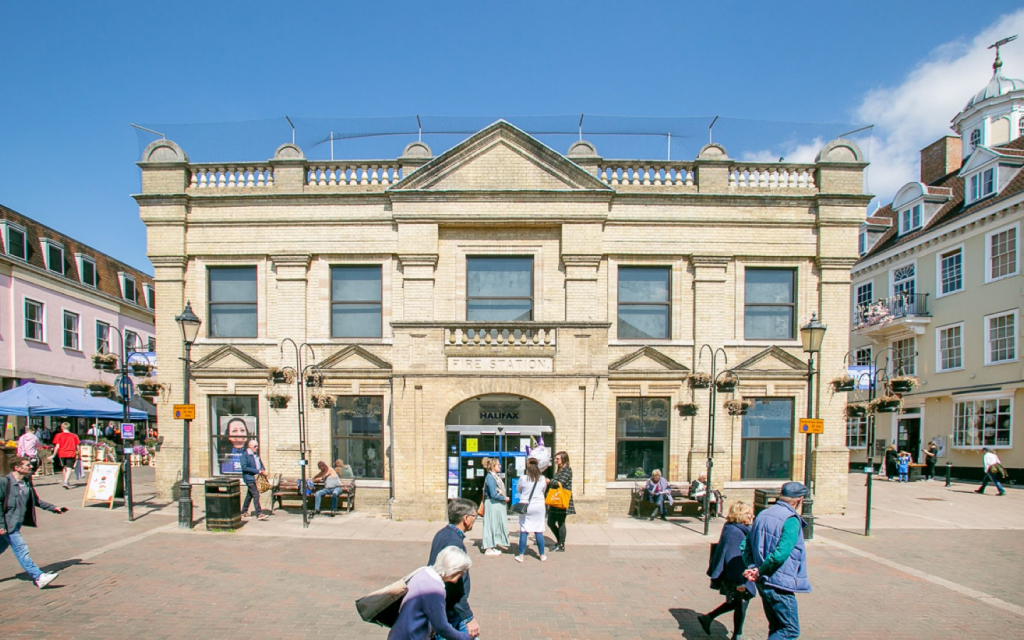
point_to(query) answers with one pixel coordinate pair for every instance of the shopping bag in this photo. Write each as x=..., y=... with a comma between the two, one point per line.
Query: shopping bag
x=558, y=498
x=383, y=605
x=79, y=474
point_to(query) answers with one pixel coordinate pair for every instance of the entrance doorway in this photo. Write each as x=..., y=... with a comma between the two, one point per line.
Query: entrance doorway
x=503, y=427
x=909, y=437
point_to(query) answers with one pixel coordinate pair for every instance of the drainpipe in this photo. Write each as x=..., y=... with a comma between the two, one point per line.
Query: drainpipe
x=391, y=437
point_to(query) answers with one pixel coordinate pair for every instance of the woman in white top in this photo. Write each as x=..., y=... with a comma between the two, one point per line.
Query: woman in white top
x=532, y=488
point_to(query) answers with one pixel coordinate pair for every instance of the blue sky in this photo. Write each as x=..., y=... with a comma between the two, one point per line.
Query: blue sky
x=76, y=74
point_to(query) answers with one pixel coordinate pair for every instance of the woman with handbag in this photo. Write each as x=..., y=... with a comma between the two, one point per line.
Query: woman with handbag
x=726, y=570
x=556, y=515
x=532, y=488
x=423, y=604
x=495, y=512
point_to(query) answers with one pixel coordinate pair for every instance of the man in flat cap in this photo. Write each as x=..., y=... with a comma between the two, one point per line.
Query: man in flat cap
x=777, y=561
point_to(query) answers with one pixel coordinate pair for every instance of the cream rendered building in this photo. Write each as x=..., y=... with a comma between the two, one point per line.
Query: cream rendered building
x=937, y=293
x=468, y=304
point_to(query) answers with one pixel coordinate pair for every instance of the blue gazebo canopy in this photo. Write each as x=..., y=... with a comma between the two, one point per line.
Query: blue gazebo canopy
x=36, y=399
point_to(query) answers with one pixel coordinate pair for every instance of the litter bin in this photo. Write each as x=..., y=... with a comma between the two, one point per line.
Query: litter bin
x=223, y=504
x=764, y=498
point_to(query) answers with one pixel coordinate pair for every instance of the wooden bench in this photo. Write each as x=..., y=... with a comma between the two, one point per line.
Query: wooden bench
x=681, y=507
x=288, y=489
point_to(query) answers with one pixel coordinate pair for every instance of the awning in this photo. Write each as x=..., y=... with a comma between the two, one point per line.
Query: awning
x=36, y=399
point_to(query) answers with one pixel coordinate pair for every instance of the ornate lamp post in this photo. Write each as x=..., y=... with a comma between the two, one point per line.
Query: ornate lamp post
x=189, y=323
x=711, y=424
x=812, y=334
x=300, y=381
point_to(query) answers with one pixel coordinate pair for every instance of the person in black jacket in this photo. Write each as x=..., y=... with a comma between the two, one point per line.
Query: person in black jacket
x=556, y=516
x=252, y=466
x=726, y=570
x=461, y=517
x=18, y=500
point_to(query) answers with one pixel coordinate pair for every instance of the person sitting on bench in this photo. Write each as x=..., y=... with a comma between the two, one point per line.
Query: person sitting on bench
x=658, y=492
x=699, y=488
x=332, y=485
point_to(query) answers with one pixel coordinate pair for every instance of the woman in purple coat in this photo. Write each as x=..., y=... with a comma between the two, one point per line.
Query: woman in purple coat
x=726, y=570
x=423, y=606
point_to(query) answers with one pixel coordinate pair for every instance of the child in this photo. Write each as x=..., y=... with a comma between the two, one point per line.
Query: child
x=903, y=466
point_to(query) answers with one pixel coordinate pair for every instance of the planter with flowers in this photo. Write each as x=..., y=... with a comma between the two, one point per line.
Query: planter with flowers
x=141, y=369
x=727, y=382
x=100, y=389
x=278, y=401
x=738, y=407
x=856, y=410
x=282, y=376
x=687, y=409
x=150, y=388
x=903, y=384
x=842, y=384
x=321, y=401
x=104, y=361
x=315, y=379
x=885, y=404
x=699, y=380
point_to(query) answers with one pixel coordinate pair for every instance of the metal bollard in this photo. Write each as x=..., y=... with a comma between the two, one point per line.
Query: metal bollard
x=949, y=470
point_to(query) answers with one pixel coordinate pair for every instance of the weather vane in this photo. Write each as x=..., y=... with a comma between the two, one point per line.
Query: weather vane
x=998, y=63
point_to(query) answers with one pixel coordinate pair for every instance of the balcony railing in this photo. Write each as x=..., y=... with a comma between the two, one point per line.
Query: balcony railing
x=882, y=312
x=500, y=334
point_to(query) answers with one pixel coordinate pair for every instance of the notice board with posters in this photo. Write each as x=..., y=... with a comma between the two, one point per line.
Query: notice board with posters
x=103, y=485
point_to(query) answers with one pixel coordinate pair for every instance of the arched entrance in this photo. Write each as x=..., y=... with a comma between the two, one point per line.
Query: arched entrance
x=497, y=426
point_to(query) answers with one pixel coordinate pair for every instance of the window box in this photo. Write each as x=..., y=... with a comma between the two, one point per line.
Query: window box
x=699, y=381
x=843, y=384
x=687, y=409
x=727, y=382
x=903, y=384
x=104, y=361
x=738, y=407
x=278, y=401
x=885, y=404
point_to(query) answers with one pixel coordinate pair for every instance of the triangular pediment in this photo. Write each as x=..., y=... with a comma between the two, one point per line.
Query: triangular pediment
x=773, y=361
x=228, y=357
x=500, y=158
x=647, y=360
x=353, y=358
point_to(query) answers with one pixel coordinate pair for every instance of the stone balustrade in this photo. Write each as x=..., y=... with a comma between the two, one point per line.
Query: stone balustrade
x=646, y=174
x=220, y=176
x=499, y=334
x=743, y=176
x=352, y=174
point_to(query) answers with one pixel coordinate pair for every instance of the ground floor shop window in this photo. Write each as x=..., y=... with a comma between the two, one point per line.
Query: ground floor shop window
x=980, y=423
x=641, y=436
x=767, y=439
x=233, y=420
x=857, y=432
x=357, y=434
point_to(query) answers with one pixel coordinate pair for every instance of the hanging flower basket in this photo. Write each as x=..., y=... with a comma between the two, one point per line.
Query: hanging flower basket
x=321, y=401
x=100, y=389
x=278, y=401
x=903, y=384
x=314, y=380
x=856, y=410
x=141, y=369
x=104, y=361
x=687, y=409
x=843, y=383
x=727, y=383
x=282, y=376
x=738, y=407
x=699, y=381
x=885, y=404
x=150, y=389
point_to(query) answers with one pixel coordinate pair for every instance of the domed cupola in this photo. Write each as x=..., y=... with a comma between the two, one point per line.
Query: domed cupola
x=999, y=85
x=995, y=115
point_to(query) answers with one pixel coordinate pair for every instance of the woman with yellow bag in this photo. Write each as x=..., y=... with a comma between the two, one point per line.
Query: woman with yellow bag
x=560, y=504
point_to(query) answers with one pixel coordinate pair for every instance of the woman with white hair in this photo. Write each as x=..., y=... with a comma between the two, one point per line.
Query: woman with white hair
x=423, y=606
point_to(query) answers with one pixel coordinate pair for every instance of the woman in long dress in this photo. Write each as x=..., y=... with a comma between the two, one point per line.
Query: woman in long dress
x=495, y=513
x=532, y=488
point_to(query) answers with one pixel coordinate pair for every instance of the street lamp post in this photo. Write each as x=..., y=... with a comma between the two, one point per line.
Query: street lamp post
x=711, y=425
x=126, y=390
x=811, y=334
x=189, y=323
x=300, y=375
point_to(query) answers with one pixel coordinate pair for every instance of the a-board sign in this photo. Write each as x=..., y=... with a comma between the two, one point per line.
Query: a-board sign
x=812, y=425
x=103, y=485
x=184, y=412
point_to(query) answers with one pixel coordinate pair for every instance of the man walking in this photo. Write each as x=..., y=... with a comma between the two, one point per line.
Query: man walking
x=461, y=516
x=18, y=499
x=776, y=559
x=991, y=460
x=252, y=466
x=65, y=449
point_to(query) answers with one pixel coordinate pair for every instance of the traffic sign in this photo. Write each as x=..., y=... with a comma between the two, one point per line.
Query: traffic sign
x=812, y=425
x=125, y=387
x=184, y=412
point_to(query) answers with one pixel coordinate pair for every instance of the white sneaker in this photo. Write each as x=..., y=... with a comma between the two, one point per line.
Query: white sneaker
x=544, y=558
x=492, y=552
x=519, y=558
x=45, y=579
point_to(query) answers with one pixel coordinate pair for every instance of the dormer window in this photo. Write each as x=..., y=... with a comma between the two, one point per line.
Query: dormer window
x=54, y=253
x=910, y=219
x=127, y=286
x=86, y=269
x=862, y=242
x=975, y=139
x=150, y=294
x=14, y=240
x=982, y=184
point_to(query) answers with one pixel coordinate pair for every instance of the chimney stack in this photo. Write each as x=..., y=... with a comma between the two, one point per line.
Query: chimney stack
x=940, y=158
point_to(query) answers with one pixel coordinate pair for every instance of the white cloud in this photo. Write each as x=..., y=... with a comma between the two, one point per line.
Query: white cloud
x=917, y=112
x=792, y=152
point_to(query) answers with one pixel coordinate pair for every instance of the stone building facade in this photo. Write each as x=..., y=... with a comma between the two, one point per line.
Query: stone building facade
x=472, y=303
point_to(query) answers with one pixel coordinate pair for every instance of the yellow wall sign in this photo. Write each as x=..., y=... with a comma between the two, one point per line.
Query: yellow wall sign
x=184, y=412
x=471, y=446
x=812, y=425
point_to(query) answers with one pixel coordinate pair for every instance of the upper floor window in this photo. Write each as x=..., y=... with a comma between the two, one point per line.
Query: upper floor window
x=865, y=293
x=1001, y=337
x=951, y=352
x=862, y=242
x=70, y=330
x=1001, y=251
x=910, y=219
x=356, y=294
x=769, y=304
x=975, y=139
x=904, y=357
x=14, y=239
x=982, y=184
x=857, y=432
x=102, y=337
x=644, y=308
x=862, y=357
x=86, y=269
x=54, y=253
x=150, y=295
x=233, y=302
x=904, y=280
x=127, y=286
x=151, y=344
x=951, y=277
x=34, y=326
x=131, y=340
x=499, y=289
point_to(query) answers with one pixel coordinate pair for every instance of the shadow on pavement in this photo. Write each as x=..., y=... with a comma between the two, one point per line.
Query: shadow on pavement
x=687, y=619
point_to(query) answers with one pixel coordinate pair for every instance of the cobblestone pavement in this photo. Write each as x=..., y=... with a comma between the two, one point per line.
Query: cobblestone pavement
x=148, y=579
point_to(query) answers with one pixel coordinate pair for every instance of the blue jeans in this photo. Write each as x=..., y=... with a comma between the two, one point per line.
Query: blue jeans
x=14, y=540
x=335, y=492
x=780, y=609
x=660, y=501
x=522, y=542
x=991, y=477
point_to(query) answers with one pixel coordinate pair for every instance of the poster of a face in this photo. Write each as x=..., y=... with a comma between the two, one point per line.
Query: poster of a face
x=234, y=433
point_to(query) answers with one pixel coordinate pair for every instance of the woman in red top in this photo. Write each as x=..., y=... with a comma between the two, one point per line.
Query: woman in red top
x=65, y=449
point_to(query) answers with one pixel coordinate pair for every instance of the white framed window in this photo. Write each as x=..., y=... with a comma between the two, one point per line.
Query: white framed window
x=983, y=423
x=975, y=139
x=35, y=325
x=951, y=271
x=15, y=243
x=86, y=269
x=862, y=357
x=127, y=286
x=1001, y=337
x=949, y=342
x=904, y=279
x=982, y=184
x=131, y=341
x=71, y=330
x=151, y=344
x=862, y=242
x=857, y=433
x=150, y=295
x=864, y=293
x=53, y=254
x=1002, y=253
x=904, y=357
x=102, y=337
x=910, y=219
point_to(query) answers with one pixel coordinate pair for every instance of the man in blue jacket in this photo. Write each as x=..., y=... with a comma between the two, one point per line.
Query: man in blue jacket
x=777, y=561
x=252, y=466
x=18, y=501
x=461, y=516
